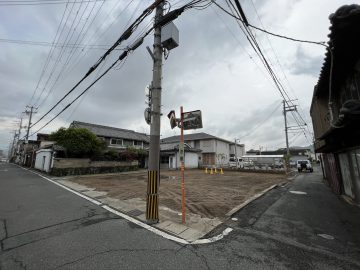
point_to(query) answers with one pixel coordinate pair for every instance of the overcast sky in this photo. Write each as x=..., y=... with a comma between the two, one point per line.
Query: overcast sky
x=214, y=69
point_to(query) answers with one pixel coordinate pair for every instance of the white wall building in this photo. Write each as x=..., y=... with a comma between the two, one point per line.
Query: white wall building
x=43, y=160
x=214, y=151
x=170, y=157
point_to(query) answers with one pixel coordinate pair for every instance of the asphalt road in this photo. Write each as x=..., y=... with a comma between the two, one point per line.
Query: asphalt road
x=43, y=226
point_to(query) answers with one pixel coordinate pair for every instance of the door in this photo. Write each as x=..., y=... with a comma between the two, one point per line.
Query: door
x=171, y=164
x=43, y=163
x=208, y=159
x=346, y=174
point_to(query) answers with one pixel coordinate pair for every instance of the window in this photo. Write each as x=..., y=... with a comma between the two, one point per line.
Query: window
x=128, y=143
x=116, y=141
x=164, y=159
x=138, y=143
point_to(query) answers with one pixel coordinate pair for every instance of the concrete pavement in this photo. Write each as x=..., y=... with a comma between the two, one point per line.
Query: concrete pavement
x=46, y=227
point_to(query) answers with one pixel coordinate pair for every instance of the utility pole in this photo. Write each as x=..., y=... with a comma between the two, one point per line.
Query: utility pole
x=20, y=127
x=152, y=200
x=29, y=124
x=286, y=109
x=13, y=145
x=30, y=113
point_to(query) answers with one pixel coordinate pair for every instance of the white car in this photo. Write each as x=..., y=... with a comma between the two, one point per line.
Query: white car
x=304, y=165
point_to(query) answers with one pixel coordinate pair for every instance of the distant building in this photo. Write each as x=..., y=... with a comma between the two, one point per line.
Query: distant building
x=170, y=157
x=116, y=138
x=296, y=153
x=215, y=151
x=335, y=107
x=26, y=152
x=44, y=140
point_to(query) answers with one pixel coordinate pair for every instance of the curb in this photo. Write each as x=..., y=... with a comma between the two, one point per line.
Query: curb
x=136, y=221
x=253, y=198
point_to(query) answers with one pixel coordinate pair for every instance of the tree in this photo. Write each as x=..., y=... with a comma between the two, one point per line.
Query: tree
x=78, y=142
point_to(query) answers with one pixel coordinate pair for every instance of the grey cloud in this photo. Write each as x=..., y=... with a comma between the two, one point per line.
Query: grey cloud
x=118, y=99
x=305, y=64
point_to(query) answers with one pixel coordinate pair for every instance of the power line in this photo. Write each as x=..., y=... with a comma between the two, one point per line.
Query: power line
x=70, y=54
x=62, y=50
x=49, y=56
x=122, y=57
x=321, y=43
x=125, y=35
x=252, y=40
x=262, y=122
x=50, y=44
x=39, y=2
x=91, y=38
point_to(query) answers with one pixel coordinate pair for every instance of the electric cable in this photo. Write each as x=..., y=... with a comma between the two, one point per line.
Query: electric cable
x=121, y=58
x=49, y=55
x=126, y=34
x=70, y=54
x=38, y=2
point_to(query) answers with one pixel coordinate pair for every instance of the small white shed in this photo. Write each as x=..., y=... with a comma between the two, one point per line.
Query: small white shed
x=170, y=157
x=43, y=159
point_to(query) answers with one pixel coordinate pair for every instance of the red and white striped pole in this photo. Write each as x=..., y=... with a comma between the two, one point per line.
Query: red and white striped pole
x=182, y=157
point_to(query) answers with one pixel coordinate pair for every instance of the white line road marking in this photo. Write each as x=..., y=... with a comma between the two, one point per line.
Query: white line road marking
x=137, y=222
x=298, y=192
x=326, y=236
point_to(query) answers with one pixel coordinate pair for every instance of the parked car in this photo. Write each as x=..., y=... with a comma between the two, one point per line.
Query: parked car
x=304, y=165
x=235, y=163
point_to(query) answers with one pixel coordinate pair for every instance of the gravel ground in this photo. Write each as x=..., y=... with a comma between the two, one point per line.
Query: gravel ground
x=207, y=195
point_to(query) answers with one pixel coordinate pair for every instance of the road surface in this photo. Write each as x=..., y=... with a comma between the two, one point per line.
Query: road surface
x=43, y=226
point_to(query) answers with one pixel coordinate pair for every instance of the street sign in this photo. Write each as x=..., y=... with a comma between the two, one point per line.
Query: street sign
x=192, y=120
x=172, y=118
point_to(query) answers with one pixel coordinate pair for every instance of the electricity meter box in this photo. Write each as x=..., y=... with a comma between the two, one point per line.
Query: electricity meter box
x=170, y=36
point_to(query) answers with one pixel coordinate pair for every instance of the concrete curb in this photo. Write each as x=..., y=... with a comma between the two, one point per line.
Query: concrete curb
x=253, y=198
x=134, y=220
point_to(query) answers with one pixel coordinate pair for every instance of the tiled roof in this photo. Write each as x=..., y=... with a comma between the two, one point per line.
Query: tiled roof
x=166, y=147
x=112, y=132
x=344, y=39
x=193, y=137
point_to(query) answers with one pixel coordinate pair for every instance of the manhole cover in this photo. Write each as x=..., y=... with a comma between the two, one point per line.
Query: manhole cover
x=298, y=192
x=326, y=236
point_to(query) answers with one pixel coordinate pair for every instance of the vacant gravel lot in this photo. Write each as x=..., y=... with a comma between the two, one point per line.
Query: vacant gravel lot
x=207, y=195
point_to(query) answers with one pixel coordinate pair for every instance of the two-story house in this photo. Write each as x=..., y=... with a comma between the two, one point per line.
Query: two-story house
x=214, y=150
x=116, y=138
x=335, y=107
